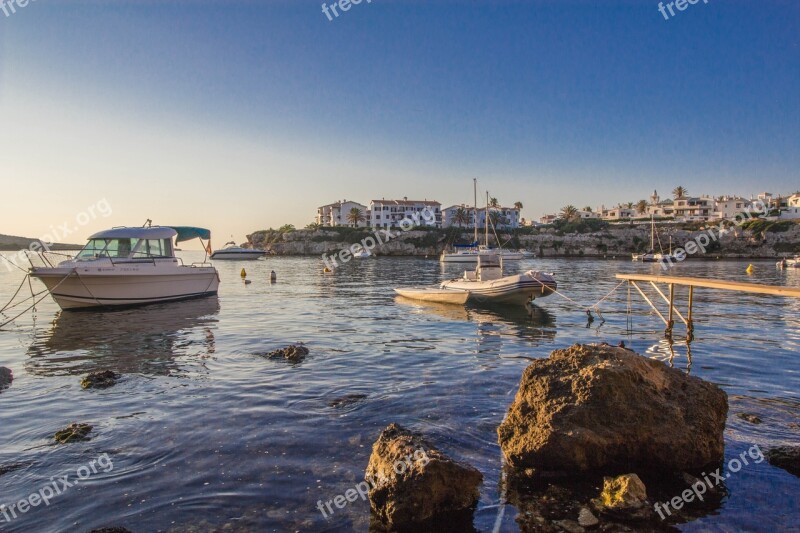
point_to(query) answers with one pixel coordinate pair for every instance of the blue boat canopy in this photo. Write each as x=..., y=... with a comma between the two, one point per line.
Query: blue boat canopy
x=187, y=233
x=473, y=245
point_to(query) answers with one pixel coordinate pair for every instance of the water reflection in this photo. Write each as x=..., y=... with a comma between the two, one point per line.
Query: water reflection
x=143, y=340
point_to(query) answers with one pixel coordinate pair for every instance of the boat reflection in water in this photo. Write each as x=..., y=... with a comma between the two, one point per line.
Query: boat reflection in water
x=528, y=322
x=140, y=340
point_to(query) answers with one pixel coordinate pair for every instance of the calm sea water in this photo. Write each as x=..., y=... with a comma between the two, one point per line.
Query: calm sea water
x=207, y=435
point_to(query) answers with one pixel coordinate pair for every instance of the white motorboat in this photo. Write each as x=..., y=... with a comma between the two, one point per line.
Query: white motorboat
x=233, y=252
x=487, y=283
x=129, y=266
x=428, y=294
x=786, y=262
x=362, y=253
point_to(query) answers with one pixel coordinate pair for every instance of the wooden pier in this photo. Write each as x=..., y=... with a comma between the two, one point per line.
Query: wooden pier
x=672, y=281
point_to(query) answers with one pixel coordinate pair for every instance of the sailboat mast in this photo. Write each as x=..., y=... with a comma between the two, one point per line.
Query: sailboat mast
x=652, y=233
x=486, y=223
x=475, y=209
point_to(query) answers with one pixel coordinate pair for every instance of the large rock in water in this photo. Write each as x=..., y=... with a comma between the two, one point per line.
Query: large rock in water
x=413, y=482
x=6, y=377
x=596, y=407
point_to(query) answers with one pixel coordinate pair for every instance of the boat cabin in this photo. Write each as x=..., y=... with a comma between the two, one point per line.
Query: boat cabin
x=130, y=243
x=490, y=267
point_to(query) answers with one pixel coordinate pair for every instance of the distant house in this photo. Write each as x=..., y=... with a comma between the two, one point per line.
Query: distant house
x=728, y=207
x=336, y=214
x=390, y=213
x=694, y=209
x=617, y=213
x=548, y=219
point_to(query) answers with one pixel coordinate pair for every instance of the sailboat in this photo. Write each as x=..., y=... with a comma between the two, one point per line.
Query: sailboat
x=468, y=253
x=652, y=256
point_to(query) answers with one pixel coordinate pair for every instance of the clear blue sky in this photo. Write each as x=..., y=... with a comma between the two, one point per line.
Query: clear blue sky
x=241, y=115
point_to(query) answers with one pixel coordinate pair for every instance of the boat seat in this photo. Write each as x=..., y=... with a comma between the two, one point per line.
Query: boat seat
x=470, y=275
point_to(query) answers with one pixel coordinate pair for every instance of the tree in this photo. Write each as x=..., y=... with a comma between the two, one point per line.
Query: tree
x=286, y=228
x=569, y=213
x=355, y=216
x=493, y=202
x=461, y=217
x=679, y=192
x=587, y=209
x=494, y=218
x=641, y=207
x=314, y=226
x=518, y=205
x=629, y=205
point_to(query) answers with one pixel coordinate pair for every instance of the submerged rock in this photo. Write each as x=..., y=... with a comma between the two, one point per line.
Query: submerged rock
x=786, y=457
x=73, y=433
x=100, y=380
x=413, y=482
x=6, y=377
x=749, y=417
x=294, y=353
x=346, y=400
x=623, y=492
x=598, y=407
x=586, y=518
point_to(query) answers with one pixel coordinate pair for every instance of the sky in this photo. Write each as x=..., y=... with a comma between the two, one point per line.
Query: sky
x=244, y=115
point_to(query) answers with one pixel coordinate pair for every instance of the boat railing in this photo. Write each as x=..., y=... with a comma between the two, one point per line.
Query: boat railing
x=201, y=264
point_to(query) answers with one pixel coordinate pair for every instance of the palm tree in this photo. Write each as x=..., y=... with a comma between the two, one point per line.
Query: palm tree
x=286, y=228
x=494, y=218
x=314, y=226
x=629, y=205
x=518, y=205
x=569, y=212
x=679, y=192
x=641, y=207
x=493, y=202
x=588, y=209
x=355, y=216
x=461, y=217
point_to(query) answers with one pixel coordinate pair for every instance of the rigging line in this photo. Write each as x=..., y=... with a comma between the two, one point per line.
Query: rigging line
x=12, y=263
x=15, y=295
x=36, y=301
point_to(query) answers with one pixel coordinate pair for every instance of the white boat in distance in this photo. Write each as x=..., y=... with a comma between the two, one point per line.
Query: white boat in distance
x=127, y=267
x=488, y=285
x=469, y=254
x=233, y=252
x=786, y=262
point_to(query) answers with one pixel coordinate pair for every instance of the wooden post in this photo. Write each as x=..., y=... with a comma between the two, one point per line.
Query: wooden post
x=671, y=320
x=689, y=323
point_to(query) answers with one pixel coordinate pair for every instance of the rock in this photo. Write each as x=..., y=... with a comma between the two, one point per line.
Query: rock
x=586, y=518
x=346, y=400
x=100, y=380
x=73, y=433
x=6, y=377
x=413, y=482
x=598, y=407
x=570, y=526
x=294, y=353
x=623, y=492
x=786, y=457
x=748, y=417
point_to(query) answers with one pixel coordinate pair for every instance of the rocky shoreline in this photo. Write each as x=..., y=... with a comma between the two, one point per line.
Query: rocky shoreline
x=614, y=241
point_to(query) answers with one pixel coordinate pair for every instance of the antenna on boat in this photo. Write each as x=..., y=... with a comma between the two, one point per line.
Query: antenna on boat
x=147, y=223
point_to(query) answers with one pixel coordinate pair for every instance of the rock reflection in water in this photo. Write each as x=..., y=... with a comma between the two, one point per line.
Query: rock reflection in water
x=143, y=340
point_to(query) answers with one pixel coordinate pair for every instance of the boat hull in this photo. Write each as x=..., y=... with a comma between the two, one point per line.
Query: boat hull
x=472, y=257
x=517, y=290
x=434, y=295
x=236, y=256
x=87, y=288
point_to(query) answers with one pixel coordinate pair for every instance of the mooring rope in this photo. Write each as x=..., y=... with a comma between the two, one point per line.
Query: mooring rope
x=2, y=325
x=583, y=307
x=15, y=295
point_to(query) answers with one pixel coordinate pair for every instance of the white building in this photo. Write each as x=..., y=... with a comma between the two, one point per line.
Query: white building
x=617, y=213
x=507, y=217
x=793, y=200
x=336, y=214
x=727, y=207
x=389, y=213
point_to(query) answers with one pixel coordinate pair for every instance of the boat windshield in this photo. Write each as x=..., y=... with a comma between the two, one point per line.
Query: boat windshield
x=125, y=248
x=113, y=248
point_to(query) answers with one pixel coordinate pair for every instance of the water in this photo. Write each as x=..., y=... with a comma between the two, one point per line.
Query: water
x=205, y=434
